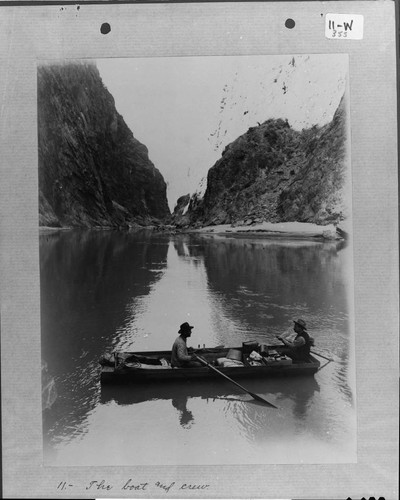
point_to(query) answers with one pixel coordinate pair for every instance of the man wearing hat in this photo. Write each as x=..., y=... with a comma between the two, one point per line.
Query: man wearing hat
x=180, y=358
x=299, y=349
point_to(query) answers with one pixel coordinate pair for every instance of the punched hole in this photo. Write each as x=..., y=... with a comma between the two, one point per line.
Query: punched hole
x=289, y=23
x=105, y=28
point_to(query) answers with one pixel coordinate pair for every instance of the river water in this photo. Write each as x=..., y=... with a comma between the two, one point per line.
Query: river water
x=107, y=290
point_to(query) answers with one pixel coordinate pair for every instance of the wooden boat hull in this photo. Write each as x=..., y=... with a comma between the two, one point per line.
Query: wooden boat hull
x=120, y=374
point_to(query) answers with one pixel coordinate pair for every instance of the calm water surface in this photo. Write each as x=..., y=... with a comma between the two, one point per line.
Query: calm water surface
x=102, y=291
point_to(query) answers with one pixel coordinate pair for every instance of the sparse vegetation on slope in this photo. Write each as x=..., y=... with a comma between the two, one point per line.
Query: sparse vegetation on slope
x=274, y=173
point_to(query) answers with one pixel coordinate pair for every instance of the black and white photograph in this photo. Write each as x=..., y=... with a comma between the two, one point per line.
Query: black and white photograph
x=196, y=265
x=199, y=250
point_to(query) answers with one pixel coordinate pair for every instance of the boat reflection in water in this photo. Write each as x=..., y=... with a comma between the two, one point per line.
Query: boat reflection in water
x=185, y=415
x=299, y=391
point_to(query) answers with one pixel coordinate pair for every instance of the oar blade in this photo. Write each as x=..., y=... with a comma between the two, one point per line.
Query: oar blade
x=262, y=400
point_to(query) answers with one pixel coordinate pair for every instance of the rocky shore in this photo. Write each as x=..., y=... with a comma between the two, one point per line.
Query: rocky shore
x=291, y=230
x=287, y=230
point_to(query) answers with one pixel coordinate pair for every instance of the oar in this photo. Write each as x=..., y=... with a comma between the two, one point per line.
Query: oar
x=323, y=366
x=321, y=356
x=316, y=353
x=255, y=396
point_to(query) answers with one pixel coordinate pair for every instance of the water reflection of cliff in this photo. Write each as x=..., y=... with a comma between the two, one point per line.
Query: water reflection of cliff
x=266, y=282
x=262, y=284
x=88, y=279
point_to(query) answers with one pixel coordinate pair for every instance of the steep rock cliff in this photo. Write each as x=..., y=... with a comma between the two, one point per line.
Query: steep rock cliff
x=92, y=170
x=317, y=193
x=274, y=173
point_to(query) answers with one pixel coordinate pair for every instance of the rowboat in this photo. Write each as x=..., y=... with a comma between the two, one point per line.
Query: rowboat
x=234, y=362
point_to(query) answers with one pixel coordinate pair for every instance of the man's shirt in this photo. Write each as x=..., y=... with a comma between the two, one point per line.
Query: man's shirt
x=179, y=353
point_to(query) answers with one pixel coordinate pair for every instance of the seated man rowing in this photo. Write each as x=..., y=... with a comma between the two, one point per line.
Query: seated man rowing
x=299, y=348
x=180, y=358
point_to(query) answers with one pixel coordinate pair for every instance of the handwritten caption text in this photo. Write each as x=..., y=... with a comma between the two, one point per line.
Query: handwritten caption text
x=130, y=485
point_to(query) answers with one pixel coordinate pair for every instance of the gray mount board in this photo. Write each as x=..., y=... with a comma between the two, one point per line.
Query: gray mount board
x=51, y=32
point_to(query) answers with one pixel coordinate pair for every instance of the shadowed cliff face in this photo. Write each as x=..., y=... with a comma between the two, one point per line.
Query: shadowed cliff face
x=274, y=173
x=92, y=171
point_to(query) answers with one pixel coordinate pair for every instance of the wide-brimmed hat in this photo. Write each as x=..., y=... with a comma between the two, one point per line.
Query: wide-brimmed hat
x=301, y=323
x=185, y=327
